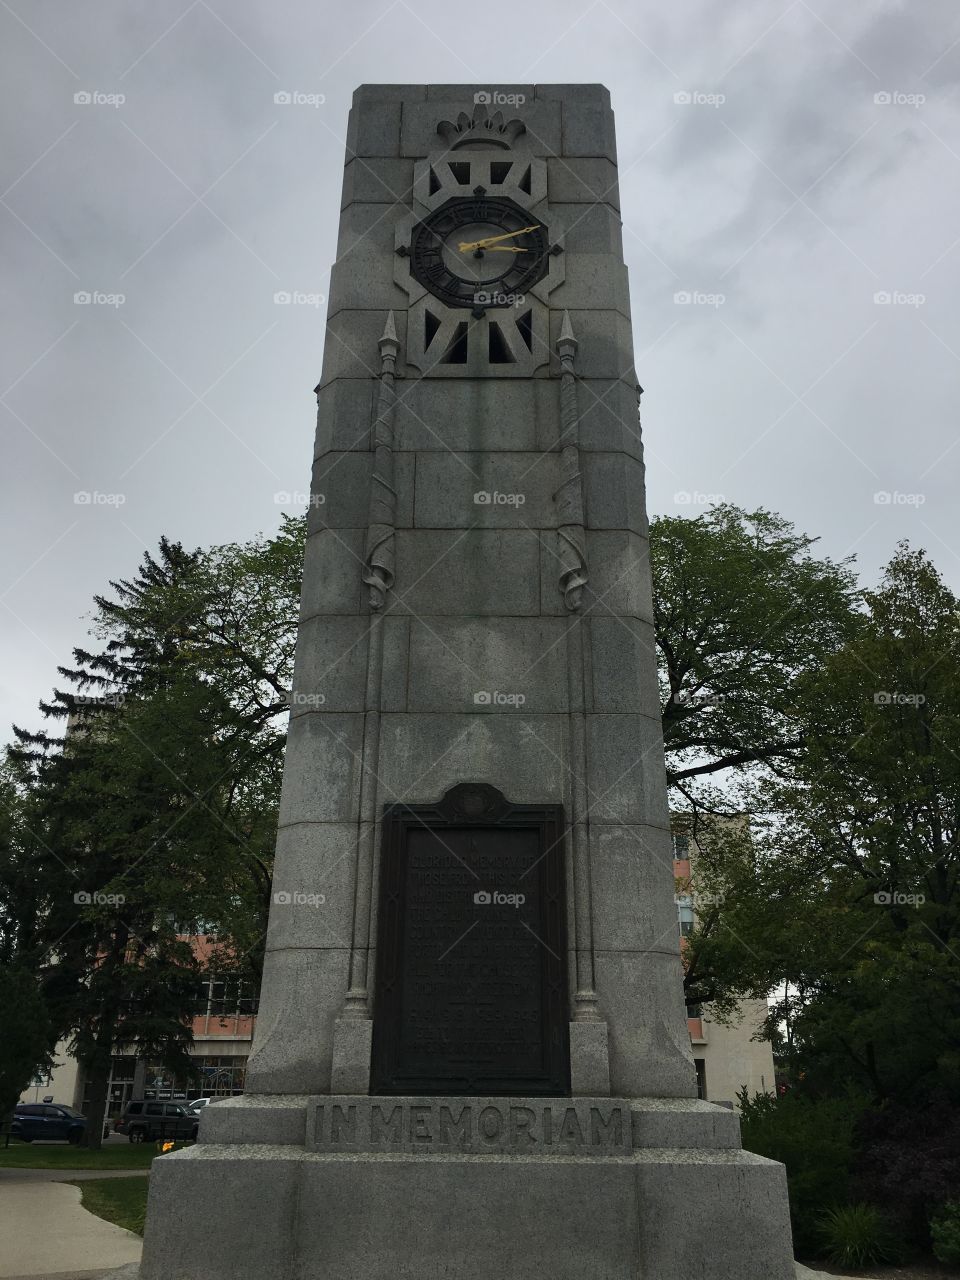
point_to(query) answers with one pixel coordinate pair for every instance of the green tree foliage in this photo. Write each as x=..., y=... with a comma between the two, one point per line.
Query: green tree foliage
x=742, y=611
x=153, y=817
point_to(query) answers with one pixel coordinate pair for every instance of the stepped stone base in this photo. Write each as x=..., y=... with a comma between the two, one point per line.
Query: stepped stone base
x=361, y=1188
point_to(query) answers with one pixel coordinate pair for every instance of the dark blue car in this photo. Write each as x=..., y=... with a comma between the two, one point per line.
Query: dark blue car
x=47, y=1122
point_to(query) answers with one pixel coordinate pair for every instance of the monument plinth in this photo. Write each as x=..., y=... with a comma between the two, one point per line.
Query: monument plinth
x=472, y=1055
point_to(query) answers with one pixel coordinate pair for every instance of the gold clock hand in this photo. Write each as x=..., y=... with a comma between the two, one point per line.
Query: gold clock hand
x=465, y=245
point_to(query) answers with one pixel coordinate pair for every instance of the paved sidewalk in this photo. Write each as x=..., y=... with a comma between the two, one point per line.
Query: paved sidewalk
x=45, y=1232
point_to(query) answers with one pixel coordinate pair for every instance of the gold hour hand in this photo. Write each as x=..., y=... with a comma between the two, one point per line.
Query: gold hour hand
x=487, y=241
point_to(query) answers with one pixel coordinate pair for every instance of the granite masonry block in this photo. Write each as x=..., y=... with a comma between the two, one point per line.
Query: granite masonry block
x=422, y=756
x=312, y=892
x=378, y=180
x=321, y=770
x=331, y=572
x=614, y=495
x=582, y=180
x=488, y=666
x=330, y=666
x=623, y=665
x=486, y=490
x=478, y=572
x=346, y=410
x=626, y=783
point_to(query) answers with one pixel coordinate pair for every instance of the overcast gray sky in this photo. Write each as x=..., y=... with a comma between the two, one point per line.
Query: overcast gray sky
x=794, y=159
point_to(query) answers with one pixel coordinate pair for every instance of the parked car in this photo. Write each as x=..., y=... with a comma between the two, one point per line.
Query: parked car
x=198, y=1104
x=49, y=1122
x=144, y=1121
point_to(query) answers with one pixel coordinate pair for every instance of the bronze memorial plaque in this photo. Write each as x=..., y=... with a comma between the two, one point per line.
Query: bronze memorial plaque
x=471, y=991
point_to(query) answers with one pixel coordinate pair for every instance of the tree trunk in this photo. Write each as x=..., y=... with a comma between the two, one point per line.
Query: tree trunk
x=98, y=1076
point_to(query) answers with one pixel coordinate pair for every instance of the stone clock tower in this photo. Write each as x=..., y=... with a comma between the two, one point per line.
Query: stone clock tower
x=472, y=1056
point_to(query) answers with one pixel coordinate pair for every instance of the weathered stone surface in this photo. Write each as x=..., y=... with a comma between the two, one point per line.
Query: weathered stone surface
x=345, y=414
x=351, y=346
x=614, y=495
x=488, y=666
x=373, y=129
x=330, y=669
x=300, y=999
x=321, y=769
x=498, y=414
x=278, y=1119
x=312, y=892
x=589, y=1059
x=574, y=180
x=627, y=784
x=683, y=1122
x=609, y=416
x=634, y=905
x=592, y=281
x=623, y=666
x=350, y=1072
x=720, y=1214
x=332, y=562
x=489, y=490
x=480, y=572
x=378, y=180
x=424, y=755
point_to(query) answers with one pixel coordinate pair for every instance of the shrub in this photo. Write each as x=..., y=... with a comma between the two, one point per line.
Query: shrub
x=857, y=1235
x=814, y=1139
x=945, y=1233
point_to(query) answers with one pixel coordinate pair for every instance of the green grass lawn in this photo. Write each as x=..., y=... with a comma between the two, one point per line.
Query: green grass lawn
x=119, y=1200
x=37, y=1155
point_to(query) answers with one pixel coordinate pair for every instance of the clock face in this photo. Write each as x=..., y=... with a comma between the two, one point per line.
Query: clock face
x=479, y=251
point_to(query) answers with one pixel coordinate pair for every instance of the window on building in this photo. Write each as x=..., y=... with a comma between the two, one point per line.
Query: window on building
x=701, y=1067
x=694, y=1010
x=681, y=847
x=685, y=916
x=229, y=997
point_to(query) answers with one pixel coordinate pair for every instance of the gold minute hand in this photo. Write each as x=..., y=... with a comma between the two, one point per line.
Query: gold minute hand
x=464, y=245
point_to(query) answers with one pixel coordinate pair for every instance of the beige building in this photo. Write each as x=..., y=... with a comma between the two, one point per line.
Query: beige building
x=728, y=1058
